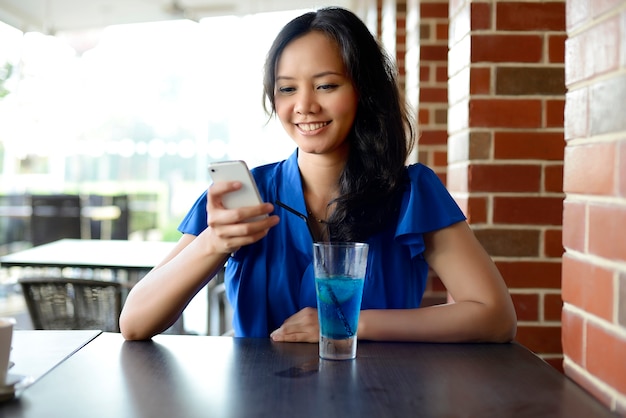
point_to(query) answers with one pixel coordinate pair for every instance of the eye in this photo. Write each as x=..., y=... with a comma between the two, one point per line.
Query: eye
x=286, y=90
x=327, y=86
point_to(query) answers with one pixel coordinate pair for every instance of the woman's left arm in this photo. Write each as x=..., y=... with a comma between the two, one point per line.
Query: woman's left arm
x=482, y=309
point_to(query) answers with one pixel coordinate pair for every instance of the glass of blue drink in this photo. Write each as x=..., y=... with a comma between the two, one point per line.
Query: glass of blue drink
x=339, y=276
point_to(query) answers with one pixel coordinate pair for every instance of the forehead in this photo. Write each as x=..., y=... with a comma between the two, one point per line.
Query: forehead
x=314, y=51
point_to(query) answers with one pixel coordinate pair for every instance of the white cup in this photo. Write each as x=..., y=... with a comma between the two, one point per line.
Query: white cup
x=6, y=335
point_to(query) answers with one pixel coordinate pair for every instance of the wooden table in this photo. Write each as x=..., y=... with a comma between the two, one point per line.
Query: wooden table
x=127, y=260
x=117, y=255
x=35, y=353
x=189, y=376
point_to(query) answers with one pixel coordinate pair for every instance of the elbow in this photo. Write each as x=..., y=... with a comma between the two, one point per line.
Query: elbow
x=506, y=328
x=130, y=331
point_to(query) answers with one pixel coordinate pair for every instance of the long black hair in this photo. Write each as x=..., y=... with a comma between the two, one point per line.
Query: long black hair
x=382, y=135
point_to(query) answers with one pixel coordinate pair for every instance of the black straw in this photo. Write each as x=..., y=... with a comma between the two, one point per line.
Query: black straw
x=340, y=313
x=300, y=215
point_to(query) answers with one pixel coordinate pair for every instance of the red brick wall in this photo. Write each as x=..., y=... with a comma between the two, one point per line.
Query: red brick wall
x=594, y=224
x=505, y=149
x=491, y=125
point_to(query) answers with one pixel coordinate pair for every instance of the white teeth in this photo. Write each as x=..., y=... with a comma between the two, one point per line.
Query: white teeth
x=311, y=126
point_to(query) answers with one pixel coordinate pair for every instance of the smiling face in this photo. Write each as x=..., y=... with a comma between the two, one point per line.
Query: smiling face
x=315, y=99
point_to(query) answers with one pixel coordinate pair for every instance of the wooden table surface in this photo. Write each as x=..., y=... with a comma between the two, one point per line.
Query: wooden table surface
x=104, y=254
x=191, y=376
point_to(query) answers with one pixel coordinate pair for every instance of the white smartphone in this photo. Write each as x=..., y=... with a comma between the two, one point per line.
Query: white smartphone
x=236, y=170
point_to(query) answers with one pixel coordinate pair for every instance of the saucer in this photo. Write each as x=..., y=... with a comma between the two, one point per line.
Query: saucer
x=13, y=382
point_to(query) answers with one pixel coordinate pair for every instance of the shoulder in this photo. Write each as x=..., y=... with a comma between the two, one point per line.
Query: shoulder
x=426, y=203
x=418, y=172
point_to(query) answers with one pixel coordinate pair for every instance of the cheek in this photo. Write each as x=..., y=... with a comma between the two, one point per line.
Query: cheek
x=282, y=109
x=346, y=108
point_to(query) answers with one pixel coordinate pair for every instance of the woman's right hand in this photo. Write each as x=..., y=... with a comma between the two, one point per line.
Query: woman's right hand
x=230, y=229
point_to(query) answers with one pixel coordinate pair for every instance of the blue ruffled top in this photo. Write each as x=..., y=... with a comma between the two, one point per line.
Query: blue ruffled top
x=272, y=279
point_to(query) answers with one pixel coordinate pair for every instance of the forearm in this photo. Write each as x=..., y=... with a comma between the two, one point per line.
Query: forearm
x=157, y=300
x=466, y=321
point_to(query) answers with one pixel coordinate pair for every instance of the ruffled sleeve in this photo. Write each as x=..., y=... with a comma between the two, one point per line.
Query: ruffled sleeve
x=426, y=206
x=196, y=219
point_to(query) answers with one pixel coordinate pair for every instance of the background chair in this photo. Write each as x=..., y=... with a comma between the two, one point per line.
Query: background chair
x=113, y=228
x=220, y=310
x=54, y=217
x=64, y=303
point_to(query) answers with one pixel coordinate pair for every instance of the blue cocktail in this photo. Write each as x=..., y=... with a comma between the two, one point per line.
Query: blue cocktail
x=339, y=278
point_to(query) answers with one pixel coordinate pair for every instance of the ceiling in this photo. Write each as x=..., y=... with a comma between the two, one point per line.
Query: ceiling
x=53, y=16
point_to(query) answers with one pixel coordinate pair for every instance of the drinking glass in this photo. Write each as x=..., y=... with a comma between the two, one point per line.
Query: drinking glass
x=339, y=276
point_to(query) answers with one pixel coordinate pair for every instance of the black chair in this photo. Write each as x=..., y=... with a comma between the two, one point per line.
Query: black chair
x=13, y=223
x=64, y=303
x=116, y=228
x=54, y=217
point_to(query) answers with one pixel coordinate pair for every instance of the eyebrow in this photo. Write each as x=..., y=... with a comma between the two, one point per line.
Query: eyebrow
x=318, y=75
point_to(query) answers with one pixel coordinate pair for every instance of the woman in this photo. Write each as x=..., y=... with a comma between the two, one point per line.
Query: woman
x=334, y=91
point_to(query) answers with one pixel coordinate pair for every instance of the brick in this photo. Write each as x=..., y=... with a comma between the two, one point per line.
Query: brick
x=606, y=233
x=577, y=13
x=526, y=306
x=480, y=145
x=556, y=48
x=530, y=81
x=505, y=113
x=553, y=243
x=531, y=274
x=519, y=16
x=577, y=65
x=605, y=356
x=540, y=339
x=599, y=7
x=457, y=179
x=574, y=225
x=477, y=210
x=573, y=336
x=458, y=148
x=581, y=160
x=576, y=113
x=434, y=52
x=601, y=47
x=441, y=73
x=606, y=104
x=555, y=113
x=480, y=80
x=623, y=44
x=441, y=30
x=440, y=158
x=441, y=116
x=506, y=48
x=528, y=210
x=504, y=178
x=588, y=286
x=530, y=145
x=424, y=73
x=553, y=178
x=423, y=116
x=433, y=95
x=552, y=307
x=480, y=16
x=433, y=137
x=434, y=9
x=509, y=242
x=621, y=307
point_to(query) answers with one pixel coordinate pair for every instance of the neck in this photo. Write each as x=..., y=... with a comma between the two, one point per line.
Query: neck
x=320, y=182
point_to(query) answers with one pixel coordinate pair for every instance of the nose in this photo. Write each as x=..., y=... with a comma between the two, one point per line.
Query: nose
x=306, y=103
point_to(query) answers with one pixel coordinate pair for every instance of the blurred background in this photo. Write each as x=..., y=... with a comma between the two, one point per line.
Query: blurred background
x=133, y=98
